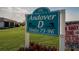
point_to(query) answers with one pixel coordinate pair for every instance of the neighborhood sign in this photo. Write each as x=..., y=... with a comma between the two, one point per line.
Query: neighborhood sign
x=72, y=36
x=43, y=21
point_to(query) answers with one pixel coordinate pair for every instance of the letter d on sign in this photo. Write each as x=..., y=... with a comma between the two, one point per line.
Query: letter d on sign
x=40, y=24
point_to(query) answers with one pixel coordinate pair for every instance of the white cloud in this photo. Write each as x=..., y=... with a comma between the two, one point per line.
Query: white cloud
x=13, y=13
x=18, y=13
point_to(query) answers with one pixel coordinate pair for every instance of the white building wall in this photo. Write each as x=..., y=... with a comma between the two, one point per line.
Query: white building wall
x=1, y=24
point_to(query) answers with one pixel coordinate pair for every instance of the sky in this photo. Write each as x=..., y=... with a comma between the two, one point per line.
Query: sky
x=18, y=13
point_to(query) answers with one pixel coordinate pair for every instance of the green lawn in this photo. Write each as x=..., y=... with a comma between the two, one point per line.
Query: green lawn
x=11, y=39
x=45, y=40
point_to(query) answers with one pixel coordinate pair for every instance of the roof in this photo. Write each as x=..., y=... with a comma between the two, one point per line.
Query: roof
x=6, y=20
x=72, y=22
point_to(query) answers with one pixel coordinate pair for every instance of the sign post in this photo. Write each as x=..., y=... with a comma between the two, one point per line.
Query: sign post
x=27, y=36
x=62, y=31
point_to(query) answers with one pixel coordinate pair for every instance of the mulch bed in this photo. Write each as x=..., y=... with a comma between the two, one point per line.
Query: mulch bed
x=37, y=47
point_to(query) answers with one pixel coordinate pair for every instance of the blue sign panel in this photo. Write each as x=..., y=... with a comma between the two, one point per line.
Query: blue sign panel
x=43, y=21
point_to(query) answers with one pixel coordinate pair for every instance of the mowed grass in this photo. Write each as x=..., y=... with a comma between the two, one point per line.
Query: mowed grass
x=12, y=39
x=45, y=40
